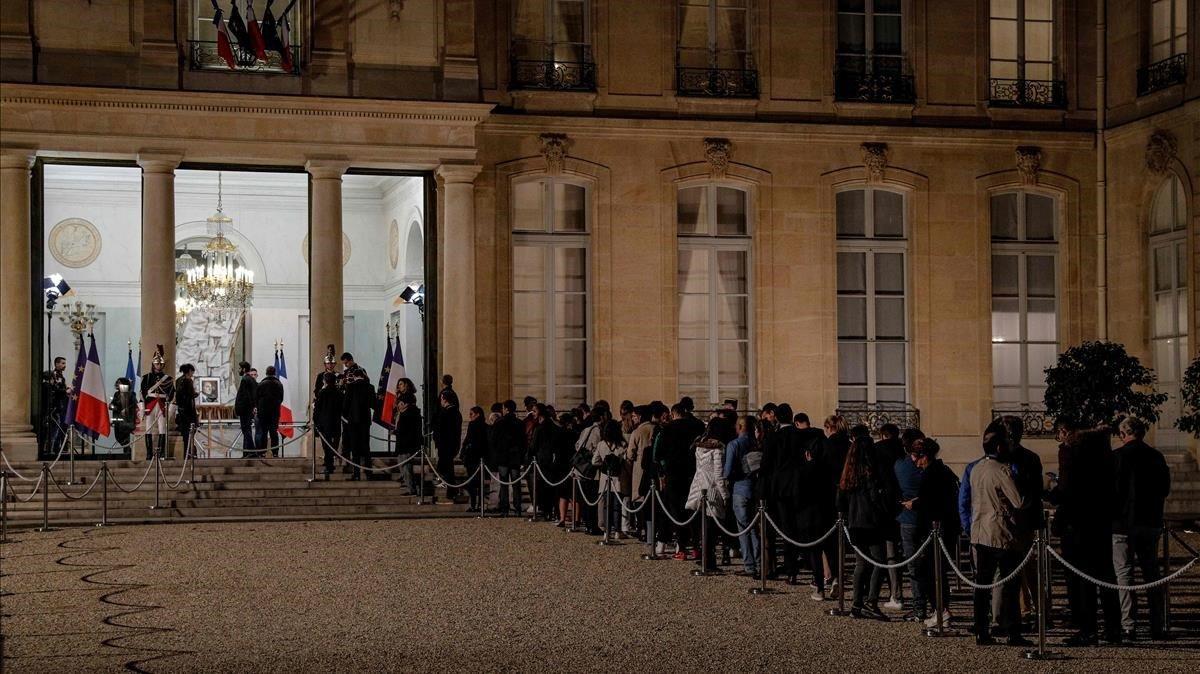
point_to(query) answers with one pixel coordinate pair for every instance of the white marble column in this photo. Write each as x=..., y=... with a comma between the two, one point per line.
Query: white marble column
x=456, y=280
x=158, y=256
x=325, y=260
x=15, y=329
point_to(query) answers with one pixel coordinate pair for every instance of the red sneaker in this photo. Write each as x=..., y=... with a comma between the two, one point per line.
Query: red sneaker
x=693, y=555
x=681, y=555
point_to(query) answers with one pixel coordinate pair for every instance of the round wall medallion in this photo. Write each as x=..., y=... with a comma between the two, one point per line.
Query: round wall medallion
x=75, y=242
x=345, y=249
x=394, y=244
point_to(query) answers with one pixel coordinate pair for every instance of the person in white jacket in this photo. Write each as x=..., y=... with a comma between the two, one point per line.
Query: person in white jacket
x=710, y=464
x=609, y=455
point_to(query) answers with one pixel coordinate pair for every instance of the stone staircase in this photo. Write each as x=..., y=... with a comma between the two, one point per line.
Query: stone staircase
x=1184, y=501
x=224, y=489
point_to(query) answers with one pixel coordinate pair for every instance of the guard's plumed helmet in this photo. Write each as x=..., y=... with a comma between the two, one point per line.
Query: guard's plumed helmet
x=159, y=358
x=330, y=358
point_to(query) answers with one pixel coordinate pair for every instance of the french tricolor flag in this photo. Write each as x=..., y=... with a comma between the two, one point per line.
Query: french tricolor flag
x=387, y=416
x=224, y=46
x=91, y=413
x=285, y=410
x=256, y=36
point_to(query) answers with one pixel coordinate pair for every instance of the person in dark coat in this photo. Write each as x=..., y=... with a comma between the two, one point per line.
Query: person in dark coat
x=835, y=448
x=508, y=451
x=268, y=400
x=560, y=467
x=936, y=502
x=358, y=407
x=123, y=407
x=409, y=437
x=474, y=449
x=1086, y=497
x=447, y=436
x=869, y=501
x=1143, y=484
x=887, y=452
x=1027, y=472
x=243, y=404
x=676, y=467
x=186, y=417
x=806, y=488
x=542, y=443
x=327, y=410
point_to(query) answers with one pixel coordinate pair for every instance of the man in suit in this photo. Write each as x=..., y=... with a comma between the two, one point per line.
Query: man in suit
x=243, y=404
x=268, y=400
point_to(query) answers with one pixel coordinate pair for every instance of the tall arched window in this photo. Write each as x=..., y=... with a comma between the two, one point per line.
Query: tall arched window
x=714, y=293
x=1024, y=296
x=550, y=284
x=872, y=309
x=1169, y=292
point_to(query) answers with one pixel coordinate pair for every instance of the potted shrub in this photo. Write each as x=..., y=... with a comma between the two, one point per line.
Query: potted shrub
x=1098, y=383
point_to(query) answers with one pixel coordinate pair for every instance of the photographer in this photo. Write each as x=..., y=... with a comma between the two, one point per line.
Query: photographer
x=123, y=408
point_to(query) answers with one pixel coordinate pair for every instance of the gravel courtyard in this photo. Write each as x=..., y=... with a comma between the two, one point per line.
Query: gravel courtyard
x=441, y=595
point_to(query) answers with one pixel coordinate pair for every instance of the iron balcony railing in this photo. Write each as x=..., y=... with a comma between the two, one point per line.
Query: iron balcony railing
x=873, y=80
x=1165, y=73
x=1036, y=422
x=875, y=415
x=204, y=56
x=1008, y=93
x=717, y=82
x=534, y=66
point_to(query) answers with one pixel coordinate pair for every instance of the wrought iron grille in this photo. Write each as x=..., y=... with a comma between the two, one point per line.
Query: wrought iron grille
x=716, y=82
x=529, y=70
x=1028, y=93
x=1165, y=73
x=872, y=81
x=1037, y=423
x=875, y=415
x=204, y=56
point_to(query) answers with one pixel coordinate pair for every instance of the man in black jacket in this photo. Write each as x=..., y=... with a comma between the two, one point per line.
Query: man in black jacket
x=1143, y=483
x=677, y=467
x=268, y=399
x=243, y=404
x=508, y=448
x=358, y=406
x=327, y=410
x=185, y=406
x=447, y=436
x=884, y=456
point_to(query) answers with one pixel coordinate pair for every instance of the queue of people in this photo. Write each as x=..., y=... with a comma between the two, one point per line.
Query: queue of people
x=890, y=487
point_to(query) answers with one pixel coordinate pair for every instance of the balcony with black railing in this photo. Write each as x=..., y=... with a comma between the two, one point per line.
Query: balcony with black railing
x=873, y=80
x=1036, y=422
x=548, y=66
x=717, y=82
x=875, y=415
x=203, y=55
x=1167, y=72
x=1006, y=93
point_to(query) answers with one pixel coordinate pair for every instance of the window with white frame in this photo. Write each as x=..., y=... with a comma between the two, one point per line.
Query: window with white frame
x=1024, y=228
x=714, y=293
x=872, y=298
x=714, y=34
x=870, y=36
x=1169, y=293
x=1168, y=29
x=1022, y=39
x=550, y=313
x=551, y=30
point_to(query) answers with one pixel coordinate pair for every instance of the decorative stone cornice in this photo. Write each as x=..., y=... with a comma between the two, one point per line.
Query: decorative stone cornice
x=1029, y=163
x=875, y=158
x=458, y=173
x=717, y=152
x=1161, y=150
x=554, y=150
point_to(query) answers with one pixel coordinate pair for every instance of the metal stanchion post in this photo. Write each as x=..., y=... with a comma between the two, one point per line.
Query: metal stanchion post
x=3, y=507
x=939, y=596
x=1166, y=588
x=533, y=514
x=315, y=445
x=421, y=477
x=190, y=454
x=608, y=519
x=762, y=552
x=103, y=494
x=1043, y=608
x=841, y=569
x=154, y=467
x=482, y=488
x=45, y=498
x=70, y=436
x=704, y=543
x=574, y=503
x=653, y=554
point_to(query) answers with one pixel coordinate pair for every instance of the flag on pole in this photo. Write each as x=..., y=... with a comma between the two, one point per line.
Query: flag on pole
x=395, y=374
x=269, y=29
x=237, y=28
x=256, y=36
x=224, y=44
x=285, y=410
x=130, y=374
x=381, y=390
x=76, y=383
x=91, y=412
x=285, y=39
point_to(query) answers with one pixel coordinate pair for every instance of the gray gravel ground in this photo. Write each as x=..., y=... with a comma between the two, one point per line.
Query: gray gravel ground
x=443, y=595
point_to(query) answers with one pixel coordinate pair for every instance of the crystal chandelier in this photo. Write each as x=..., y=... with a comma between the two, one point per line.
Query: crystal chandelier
x=219, y=282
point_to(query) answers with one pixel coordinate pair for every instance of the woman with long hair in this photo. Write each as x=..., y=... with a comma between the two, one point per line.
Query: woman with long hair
x=609, y=456
x=868, y=501
x=834, y=449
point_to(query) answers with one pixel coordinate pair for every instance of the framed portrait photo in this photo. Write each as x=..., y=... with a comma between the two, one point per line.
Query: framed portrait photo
x=209, y=389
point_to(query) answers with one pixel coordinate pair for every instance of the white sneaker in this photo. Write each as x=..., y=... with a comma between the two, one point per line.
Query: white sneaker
x=529, y=509
x=894, y=605
x=817, y=595
x=659, y=549
x=932, y=620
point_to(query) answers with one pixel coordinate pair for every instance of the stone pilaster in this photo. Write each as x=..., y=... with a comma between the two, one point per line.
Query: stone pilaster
x=158, y=256
x=15, y=329
x=456, y=279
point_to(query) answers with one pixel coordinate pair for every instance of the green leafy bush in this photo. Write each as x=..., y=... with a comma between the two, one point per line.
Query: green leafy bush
x=1098, y=383
x=1190, y=397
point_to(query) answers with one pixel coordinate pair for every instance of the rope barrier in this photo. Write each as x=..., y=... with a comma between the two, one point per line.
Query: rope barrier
x=62, y=448
x=663, y=508
x=514, y=481
x=626, y=509
x=599, y=496
x=798, y=544
x=1114, y=586
x=545, y=479
x=333, y=448
x=896, y=565
x=95, y=481
x=454, y=486
x=36, y=488
x=716, y=520
x=182, y=470
x=229, y=447
x=985, y=586
x=138, y=485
